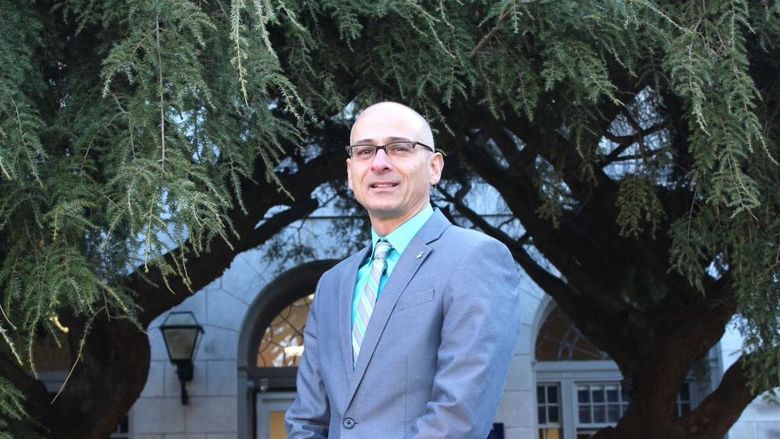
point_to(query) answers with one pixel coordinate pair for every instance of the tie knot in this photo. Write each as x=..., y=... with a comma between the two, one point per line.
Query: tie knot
x=381, y=250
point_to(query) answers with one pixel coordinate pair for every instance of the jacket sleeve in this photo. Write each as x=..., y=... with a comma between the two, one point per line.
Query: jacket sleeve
x=478, y=335
x=309, y=415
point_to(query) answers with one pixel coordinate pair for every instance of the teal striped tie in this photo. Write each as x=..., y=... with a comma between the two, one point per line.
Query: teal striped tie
x=367, y=299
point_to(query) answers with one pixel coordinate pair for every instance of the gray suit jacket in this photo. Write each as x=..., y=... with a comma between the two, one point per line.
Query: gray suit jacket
x=436, y=351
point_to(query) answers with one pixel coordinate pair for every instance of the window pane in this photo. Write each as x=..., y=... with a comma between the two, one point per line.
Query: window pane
x=548, y=405
x=599, y=414
x=684, y=400
x=276, y=425
x=584, y=412
x=282, y=343
x=685, y=392
x=552, y=394
x=548, y=411
x=600, y=404
x=552, y=412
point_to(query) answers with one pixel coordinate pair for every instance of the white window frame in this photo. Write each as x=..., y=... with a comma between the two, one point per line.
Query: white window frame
x=550, y=425
x=593, y=424
x=569, y=374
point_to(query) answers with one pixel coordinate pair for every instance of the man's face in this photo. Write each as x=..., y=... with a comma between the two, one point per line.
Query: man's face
x=392, y=190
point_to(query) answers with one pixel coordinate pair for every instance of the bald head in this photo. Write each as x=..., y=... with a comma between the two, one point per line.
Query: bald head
x=390, y=113
x=392, y=186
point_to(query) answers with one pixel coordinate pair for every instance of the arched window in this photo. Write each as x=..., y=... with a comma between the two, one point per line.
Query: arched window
x=559, y=339
x=282, y=341
x=274, y=326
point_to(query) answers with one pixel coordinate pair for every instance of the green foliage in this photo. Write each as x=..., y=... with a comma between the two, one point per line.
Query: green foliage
x=11, y=408
x=552, y=191
x=19, y=121
x=112, y=154
x=126, y=128
x=709, y=66
x=638, y=204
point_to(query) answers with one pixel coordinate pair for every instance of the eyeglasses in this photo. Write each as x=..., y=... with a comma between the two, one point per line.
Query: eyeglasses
x=392, y=149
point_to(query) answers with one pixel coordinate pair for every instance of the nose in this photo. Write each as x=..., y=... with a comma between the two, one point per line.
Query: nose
x=381, y=161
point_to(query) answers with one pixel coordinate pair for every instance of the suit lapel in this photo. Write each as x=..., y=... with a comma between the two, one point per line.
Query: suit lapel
x=411, y=260
x=346, y=291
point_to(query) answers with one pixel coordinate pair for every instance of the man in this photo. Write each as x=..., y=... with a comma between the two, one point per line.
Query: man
x=412, y=336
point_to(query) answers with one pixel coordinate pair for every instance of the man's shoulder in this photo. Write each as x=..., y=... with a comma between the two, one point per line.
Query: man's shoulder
x=461, y=241
x=467, y=236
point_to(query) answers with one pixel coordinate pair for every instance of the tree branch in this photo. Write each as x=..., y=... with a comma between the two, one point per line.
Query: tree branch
x=155, y=298
x=720, y=409
x=570, y=300
x=299, y=210
x=499, y=24
x=624, y=142
x=36, y=395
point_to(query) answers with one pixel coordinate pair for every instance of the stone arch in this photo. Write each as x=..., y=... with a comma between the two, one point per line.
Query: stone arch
x=273, y=298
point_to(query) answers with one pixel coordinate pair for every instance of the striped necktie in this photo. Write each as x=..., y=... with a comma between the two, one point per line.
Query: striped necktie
x=367, y=299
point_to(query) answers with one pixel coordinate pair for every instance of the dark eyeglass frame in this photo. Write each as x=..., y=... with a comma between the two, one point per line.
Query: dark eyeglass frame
x=348, y=148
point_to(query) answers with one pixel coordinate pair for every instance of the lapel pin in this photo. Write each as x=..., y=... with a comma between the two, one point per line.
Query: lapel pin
x=419, y=255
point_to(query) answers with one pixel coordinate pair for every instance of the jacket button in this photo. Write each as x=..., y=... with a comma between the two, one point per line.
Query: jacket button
x=348, y=423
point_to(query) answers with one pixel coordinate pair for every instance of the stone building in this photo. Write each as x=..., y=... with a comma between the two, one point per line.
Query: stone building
x=560, y=386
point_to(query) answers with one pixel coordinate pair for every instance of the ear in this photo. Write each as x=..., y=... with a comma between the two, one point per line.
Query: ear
x=435, y=166
x=349, y=175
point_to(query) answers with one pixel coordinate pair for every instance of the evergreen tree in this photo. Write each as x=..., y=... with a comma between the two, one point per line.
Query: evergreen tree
x=635, y=141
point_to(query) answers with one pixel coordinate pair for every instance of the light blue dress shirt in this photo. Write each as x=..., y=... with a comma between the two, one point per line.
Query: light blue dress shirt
x=399, y=239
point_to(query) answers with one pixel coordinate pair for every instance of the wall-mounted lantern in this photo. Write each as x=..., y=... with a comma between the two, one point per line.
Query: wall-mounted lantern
x=181, y=333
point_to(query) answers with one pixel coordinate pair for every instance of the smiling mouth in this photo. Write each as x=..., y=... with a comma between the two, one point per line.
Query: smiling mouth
x=383, y=185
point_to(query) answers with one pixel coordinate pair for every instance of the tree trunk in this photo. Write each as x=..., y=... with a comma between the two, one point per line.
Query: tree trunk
x=108, y=379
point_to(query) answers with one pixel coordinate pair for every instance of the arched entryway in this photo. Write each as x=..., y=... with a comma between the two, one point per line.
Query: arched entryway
x=269, y=348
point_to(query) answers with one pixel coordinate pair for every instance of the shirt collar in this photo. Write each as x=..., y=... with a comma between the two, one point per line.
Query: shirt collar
x=402, y=236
